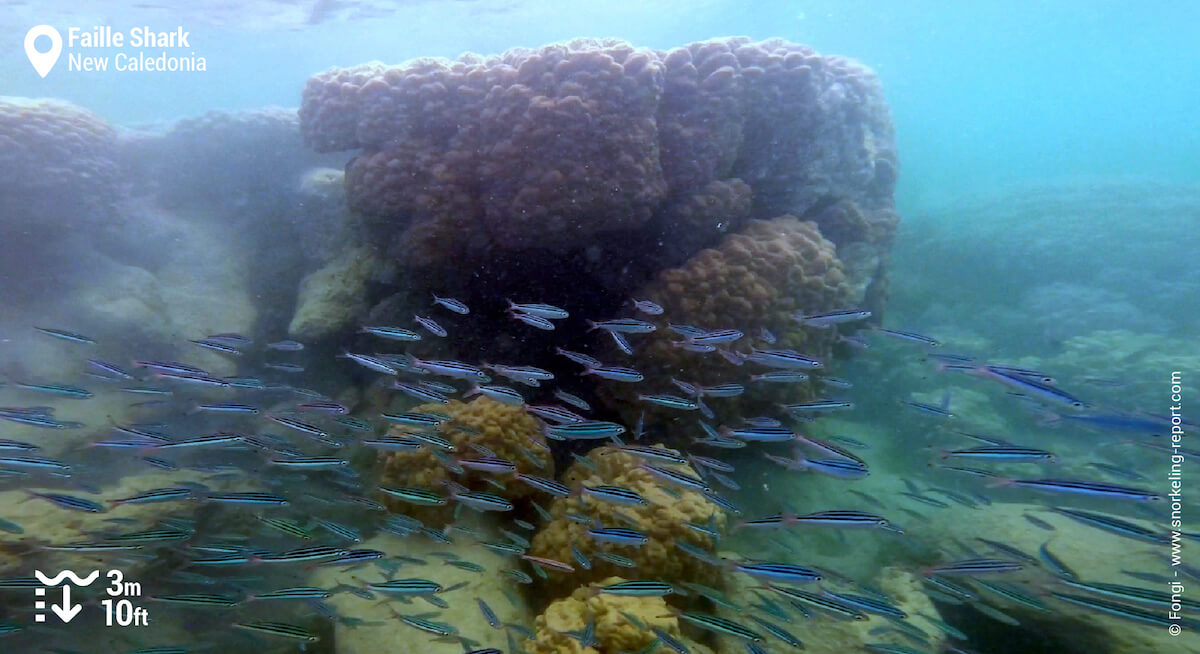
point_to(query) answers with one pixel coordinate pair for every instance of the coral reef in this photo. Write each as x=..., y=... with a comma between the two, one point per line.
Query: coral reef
x=1080, y=627
x=663, y=520
x=834, y=636
x=603, y=163
x=376, y=627
x=820, y=122
x=222, y=158
x=551, y=146
x=698, y=218
x=505, y=430
x=753, y=280
x=249, y=173
x=1061, y=224
x=53, y=153
x=330, y=227
x=560, y=142
x=614, y=632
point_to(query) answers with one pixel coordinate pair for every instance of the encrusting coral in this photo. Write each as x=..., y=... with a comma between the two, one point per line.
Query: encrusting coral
x=502, y=430
x=614, y=630
x=663, y=520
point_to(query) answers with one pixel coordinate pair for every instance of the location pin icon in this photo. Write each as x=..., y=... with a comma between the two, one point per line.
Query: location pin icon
x=43, y=62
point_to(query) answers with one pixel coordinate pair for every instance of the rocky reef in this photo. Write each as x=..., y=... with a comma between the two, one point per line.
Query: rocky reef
x=732, y=182
x=726, y=179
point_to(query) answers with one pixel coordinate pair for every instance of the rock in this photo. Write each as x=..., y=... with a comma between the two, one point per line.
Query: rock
x=384, y=632
x=826, y=635
x=334, y=297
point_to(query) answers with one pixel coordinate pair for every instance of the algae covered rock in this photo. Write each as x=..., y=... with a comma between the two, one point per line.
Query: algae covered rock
x=334, y=297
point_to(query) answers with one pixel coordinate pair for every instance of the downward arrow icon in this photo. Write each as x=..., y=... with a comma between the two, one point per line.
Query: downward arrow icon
x=66, y=611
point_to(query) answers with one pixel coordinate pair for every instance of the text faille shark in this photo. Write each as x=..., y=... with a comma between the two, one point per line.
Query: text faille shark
x=140, y=49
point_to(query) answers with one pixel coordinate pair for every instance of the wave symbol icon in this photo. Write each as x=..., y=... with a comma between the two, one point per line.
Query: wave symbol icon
x=66, y=574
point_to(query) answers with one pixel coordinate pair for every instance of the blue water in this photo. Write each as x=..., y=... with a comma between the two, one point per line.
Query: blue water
x=1049, y=219
x=982, y=93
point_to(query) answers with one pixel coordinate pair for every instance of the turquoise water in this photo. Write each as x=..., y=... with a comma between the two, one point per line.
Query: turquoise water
x=918, y=331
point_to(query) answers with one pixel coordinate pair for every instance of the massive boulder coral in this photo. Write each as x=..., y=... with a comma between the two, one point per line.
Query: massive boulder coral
x=227, y=159
x=820, y=122
x=54, y=154
x=480, y=425
x=534, y=147
x=606, y=164
x=699, y=218
x=754, y=280
x=614, y=631
x=550, y=147
x=663, y=519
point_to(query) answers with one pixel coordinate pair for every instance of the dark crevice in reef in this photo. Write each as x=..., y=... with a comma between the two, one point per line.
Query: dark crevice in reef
x=1035, y=635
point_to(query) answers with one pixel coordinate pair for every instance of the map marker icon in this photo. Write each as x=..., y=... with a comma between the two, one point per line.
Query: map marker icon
x=43, y=62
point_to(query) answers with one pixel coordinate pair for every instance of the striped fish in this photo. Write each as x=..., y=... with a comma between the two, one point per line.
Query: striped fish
x=637, y=588
x=658, y=454
x=720, y=625
x=406, y=587
x=302, y=555
x=64, y=335
x=614, y=373
x=1119, y=610
x=822, y=603
x=547, y=311
x=615, y=495
x=618, y=536
x=972, y=567
x=623, y=326
x=1001, y=453
x=69, y=502
x=296, y=593
x=787, y=359
x=1092, y=488
x=670, y=402
x=414, y=495
x=546, y=485
x=1112, y=524
x=281, y=629
x=675, y=477
x=246, y=498
x=591, y=429
x=196, y=599
x=779, y=572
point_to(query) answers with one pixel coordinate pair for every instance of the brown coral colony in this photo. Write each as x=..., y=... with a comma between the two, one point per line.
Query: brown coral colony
x=755, y=177
x=549, y=147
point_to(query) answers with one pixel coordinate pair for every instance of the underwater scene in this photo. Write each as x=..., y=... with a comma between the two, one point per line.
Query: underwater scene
x=523, y=326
